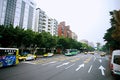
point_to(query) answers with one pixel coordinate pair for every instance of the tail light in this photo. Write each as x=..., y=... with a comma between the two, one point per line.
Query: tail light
x=111, y=66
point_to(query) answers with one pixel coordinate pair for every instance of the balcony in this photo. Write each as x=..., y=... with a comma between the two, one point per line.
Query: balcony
x=44, y=19
x=49, y=25
x=43, y=23
x=43, y=26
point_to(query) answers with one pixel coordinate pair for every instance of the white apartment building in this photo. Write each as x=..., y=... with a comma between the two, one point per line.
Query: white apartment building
x=38, y=20
x=18, y=13
x=44, y=23
x=54, y=24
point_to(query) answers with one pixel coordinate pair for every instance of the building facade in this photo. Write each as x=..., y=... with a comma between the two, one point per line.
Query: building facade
x=74, y=36
x=53, y=25
x=18, y=13
x=43, y=23
x=39, y=20
x=62, y=29
x=65, y=31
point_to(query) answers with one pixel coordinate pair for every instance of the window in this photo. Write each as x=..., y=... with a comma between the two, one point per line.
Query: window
x=117, y=59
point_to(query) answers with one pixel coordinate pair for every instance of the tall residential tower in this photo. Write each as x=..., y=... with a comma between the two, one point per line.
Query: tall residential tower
x=18, y=13
x=45, y=23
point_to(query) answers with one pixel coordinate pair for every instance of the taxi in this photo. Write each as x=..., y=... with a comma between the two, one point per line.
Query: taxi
x=27, y=57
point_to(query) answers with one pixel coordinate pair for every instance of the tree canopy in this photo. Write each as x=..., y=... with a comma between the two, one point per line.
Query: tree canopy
x=20, y=38
x=113, y=33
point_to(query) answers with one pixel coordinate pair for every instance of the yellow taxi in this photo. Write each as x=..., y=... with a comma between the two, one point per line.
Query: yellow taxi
x=102, y=54
x=27, y=57
x=48, y=54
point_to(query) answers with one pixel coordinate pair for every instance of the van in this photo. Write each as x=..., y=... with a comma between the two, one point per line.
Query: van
x=115, y=62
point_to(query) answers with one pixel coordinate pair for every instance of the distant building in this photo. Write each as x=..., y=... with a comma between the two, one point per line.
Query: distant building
x=87, y=42
x=45, y=23
x=64, y=30
x=84, y=41
x=18, y=13
x=61, y=29
x=91, y=44
x=68, y=32
x=74, y=36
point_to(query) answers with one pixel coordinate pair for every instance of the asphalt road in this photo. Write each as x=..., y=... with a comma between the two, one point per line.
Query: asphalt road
x=79, y=67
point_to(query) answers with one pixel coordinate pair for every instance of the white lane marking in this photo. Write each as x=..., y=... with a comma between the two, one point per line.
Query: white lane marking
x=102, y=70
x=63, y=64
x=90, y=69
x=80, y=66
x=107, y=58
x=94, y=58
x=50, y=63
x=100, y=60
x=70, y=66
x=28, y=62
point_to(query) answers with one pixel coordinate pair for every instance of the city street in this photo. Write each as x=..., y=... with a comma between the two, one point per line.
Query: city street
x=79, y=67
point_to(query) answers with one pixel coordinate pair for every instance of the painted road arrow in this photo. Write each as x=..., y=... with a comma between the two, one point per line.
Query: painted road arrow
x=102, y=70
x=80, y=66
x=100, y=60
x=63, y=64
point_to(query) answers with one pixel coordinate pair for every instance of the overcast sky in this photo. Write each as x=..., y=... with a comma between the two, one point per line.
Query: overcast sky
x=89, y=19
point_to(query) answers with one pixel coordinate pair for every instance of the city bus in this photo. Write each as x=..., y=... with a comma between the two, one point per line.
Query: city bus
x=71, y=52
x=9, y=56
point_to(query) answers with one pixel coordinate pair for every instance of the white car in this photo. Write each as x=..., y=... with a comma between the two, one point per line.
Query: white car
x=48, y=54
x=27, y=57
x=115, y=62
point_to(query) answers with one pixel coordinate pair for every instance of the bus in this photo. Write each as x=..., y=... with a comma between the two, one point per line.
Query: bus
x=71, y=52
x=9, y=56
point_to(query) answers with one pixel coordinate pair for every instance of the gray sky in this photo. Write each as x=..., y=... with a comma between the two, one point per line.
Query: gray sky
x=89, y=19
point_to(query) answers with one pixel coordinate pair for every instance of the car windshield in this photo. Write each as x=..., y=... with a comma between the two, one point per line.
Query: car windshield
x=117, y=59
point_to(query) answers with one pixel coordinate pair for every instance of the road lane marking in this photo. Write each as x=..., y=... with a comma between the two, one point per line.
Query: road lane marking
x=90, y=69
x=70, y=66
x=100, y=60
x=50, y=63
x=63, y=64
x=94, y=58
x=87, y=60
x=28, y=62
x=72, y=60
x=80, y=66
x=102, y=70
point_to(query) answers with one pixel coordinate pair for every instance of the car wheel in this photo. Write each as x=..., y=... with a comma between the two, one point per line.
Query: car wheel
x=112, y=73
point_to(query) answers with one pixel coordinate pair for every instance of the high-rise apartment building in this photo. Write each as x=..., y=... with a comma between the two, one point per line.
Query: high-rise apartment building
x=64, y=30
x=38, y=20
x=53, y=26
x=18, y=13
x=44, y=23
